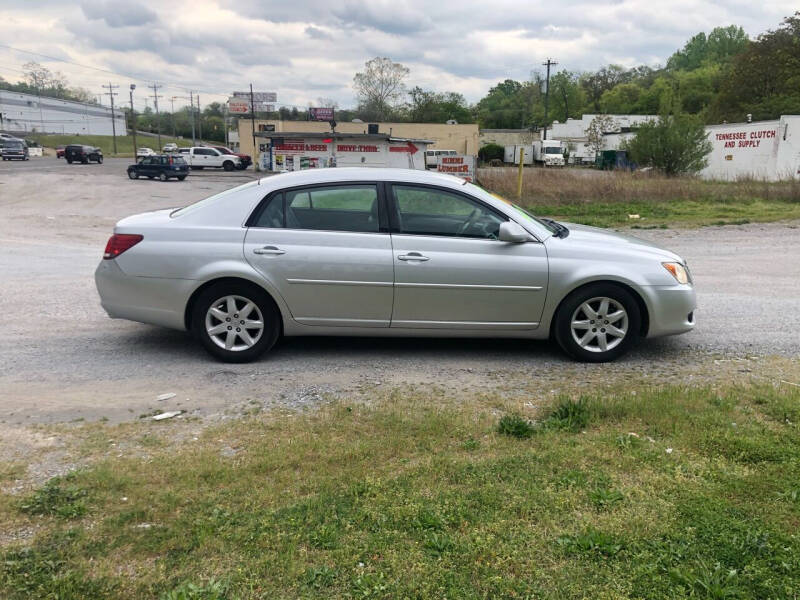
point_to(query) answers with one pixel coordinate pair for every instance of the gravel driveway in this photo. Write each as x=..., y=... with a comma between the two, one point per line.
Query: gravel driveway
x=64, y=359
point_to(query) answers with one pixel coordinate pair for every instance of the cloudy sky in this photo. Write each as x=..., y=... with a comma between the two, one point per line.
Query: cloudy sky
x=309, y=49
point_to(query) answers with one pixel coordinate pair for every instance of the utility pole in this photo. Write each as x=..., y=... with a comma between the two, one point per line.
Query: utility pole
x=191, y=110
x=111, y=93
x=548, y=64
x=133, y=121
x=199, y=120
x=253, y=122
x=174, y=131
x=158, y=117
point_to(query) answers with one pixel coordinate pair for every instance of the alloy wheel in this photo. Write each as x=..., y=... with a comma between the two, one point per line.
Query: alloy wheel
x=234, y=323
x=599, y=324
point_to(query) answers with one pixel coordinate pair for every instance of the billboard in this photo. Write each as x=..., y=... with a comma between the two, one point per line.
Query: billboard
x=321, y=114
x=239, y=102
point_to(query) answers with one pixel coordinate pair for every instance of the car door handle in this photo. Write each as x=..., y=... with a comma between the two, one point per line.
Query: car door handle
x=413, y=256
x=273, y=250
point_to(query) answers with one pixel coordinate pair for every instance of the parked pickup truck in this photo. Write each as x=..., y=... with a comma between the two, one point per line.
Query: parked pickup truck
x=200, y=157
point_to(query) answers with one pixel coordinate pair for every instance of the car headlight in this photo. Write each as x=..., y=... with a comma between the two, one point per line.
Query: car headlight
x=678, y=271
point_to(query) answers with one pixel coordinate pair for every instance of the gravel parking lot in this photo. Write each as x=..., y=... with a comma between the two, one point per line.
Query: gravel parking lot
x=64, y=359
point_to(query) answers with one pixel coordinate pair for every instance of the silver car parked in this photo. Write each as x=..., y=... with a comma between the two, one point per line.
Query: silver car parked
x=387, y=252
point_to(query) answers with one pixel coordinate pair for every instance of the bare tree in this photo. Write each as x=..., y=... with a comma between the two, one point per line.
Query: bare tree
x=380, y=86
x=600, y=125
x=41, y=78
x=327, y=102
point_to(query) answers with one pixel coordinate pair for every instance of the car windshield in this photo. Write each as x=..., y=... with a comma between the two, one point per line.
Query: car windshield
x=12, y=144
x=224, y=150
x=518, y=210
x=179, y=212
x=552, y=150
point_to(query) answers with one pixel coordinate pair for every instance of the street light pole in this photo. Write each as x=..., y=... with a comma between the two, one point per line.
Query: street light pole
x=133, y=121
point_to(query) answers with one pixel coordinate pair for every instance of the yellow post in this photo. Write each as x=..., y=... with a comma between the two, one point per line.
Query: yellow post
x=519, y=175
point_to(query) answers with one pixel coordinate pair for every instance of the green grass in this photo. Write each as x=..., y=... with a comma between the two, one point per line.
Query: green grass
x=106, y=142
x=678, y=212
x=665, y=493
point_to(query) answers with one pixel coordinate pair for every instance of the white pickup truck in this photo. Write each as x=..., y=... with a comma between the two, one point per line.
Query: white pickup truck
x=200, y=157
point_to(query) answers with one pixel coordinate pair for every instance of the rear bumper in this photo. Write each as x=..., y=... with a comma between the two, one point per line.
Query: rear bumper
x=153, y=300
x=671, y=309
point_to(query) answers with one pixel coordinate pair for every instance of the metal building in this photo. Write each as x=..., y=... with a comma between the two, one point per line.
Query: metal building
x=28, y=113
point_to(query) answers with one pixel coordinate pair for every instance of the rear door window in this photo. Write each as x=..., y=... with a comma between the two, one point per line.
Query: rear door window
x=334, y=208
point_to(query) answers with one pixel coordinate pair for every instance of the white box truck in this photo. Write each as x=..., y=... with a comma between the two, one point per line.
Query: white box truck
x=548, y=153
x=511, y=154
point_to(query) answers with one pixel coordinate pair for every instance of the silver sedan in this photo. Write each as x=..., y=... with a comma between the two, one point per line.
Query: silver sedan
x=387, y=252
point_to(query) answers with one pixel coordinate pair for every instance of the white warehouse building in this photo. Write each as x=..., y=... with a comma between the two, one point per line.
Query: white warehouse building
x=574, y=134
x=28, y=113
x=767, y=150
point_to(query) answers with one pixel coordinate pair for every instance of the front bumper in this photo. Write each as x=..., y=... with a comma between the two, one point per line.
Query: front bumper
x=671, y=309
x=153, y=300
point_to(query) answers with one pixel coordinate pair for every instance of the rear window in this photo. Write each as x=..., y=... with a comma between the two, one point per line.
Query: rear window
x=178, y=160
x=211, y=200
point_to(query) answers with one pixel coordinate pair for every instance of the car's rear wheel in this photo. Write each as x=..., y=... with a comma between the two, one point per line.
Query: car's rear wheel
x=598, y=323
x=235, y=322
x=100, y=160
x=181, y=177
x=133, y=174
x=163, y=177
x=228, y=165
x=69, y=161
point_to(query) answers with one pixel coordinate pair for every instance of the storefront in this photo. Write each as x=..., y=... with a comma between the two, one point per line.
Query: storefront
x=298, y=151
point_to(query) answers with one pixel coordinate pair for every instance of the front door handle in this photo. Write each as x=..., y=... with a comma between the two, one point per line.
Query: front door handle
x=413, y=256
x=273, y=250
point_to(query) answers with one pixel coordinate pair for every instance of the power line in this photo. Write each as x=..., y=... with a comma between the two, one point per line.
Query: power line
x=171, y=84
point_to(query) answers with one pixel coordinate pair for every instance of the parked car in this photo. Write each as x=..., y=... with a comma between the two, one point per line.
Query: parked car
x=164, y=167
x=60, y=151
x=145, y=151
x=170, y=147
x=245, y=158
x=393, y=252
x=201, y=157
x=14, y=149
x=82, y=154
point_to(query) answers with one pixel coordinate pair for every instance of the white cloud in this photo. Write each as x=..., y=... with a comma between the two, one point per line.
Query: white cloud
x=308, y=49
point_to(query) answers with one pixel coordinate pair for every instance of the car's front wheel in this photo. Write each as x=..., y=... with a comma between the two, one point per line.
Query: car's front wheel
x=235, y=322
x=598, y=323
x=227, y=165
x=163, y=177
x=100, y=160
x=133, y=174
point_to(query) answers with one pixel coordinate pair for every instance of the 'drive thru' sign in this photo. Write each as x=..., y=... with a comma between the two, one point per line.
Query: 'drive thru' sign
x=460, y=165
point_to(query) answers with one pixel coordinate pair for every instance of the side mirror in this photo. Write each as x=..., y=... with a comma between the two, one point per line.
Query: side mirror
x=513, y=232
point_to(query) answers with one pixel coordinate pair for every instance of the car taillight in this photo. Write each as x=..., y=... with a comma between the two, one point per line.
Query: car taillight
x=119, y=242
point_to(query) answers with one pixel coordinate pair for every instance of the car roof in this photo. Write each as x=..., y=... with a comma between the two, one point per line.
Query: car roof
x=345, y=174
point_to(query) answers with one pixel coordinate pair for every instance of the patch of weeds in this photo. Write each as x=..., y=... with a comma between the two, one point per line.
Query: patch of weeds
x=428, y=519
x=569, y=415
x=212, y=590
x=60, y=497
x=324, y=537
x=591, y=542
x=626, y=441
x=318, y=577
x=603, y=498
x=438, y=543
x=370, y=585
x=705, y=581
x=573, y=478
x=47, y=570
x=471, y=444
x=515, y=426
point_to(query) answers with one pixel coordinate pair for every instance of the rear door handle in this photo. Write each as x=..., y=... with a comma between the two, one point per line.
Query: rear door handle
x=413, y=256
x=273, y=250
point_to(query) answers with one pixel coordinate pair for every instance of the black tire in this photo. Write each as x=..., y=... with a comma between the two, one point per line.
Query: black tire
x=618, y=296
x=228, y=165
x=85, y=161
x=133, y=174
x=181, y=177
x=99, y=160
x=163, y=177
x=270, y=315
x=69, y=160
x=150, y=176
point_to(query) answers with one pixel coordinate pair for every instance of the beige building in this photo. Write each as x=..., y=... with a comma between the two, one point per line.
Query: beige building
x=507, y=137
x=461, y=138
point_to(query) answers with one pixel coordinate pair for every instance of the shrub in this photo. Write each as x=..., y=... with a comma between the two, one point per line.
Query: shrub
x=515, y=426
x=491, y=152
